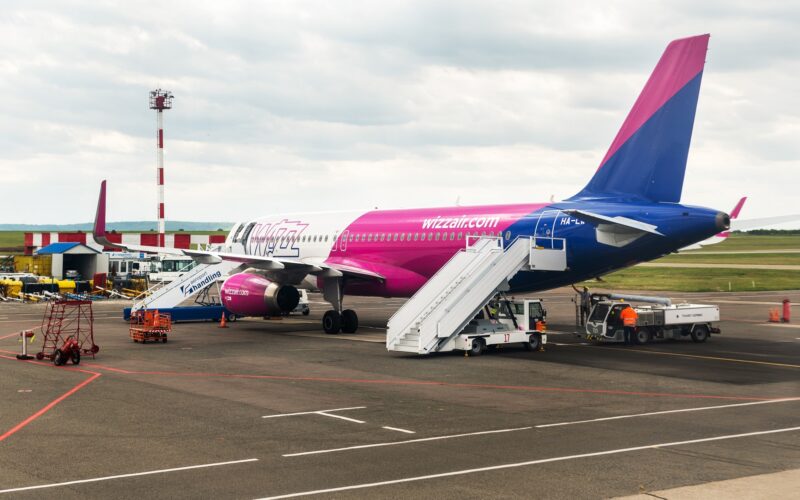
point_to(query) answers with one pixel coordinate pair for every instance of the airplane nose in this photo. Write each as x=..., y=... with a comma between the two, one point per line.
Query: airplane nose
x=723, y=221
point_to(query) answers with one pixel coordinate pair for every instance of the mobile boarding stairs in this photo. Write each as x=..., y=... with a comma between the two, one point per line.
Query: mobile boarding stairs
x=444, y=306
x=189, y=284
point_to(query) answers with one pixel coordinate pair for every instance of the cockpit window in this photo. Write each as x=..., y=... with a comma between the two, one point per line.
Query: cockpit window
x=238, y=231
x=246, y=232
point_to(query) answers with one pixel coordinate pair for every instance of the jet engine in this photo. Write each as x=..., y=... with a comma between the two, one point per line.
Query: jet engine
x=247, y=294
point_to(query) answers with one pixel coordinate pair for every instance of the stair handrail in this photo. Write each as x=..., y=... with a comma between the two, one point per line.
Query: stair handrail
x=465, y=293
x=481, y=244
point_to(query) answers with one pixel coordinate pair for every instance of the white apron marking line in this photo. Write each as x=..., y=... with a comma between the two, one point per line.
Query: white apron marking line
x=314, y=412
x=397, y=429
x=531, y=462
x=120, y=476
x=341, y=417
x=393, y=443
x=667, y=411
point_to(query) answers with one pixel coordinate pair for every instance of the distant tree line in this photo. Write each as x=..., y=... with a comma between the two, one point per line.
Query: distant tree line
x=771, y=232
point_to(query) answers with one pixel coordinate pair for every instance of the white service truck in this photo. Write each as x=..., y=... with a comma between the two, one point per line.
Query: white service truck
x=655, y=322
x=502, y=322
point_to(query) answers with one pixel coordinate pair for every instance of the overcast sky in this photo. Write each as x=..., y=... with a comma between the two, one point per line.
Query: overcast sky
x=299, y=106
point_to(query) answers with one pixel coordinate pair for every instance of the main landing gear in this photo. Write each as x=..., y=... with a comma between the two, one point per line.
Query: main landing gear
x=337, y=320
x=346, y=322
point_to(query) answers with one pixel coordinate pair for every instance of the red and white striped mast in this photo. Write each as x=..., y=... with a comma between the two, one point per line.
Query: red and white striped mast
x=160, y=100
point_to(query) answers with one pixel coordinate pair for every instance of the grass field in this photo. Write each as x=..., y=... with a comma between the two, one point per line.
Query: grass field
x=12, y=239
x=733, y=258
x=744, y=241
x=698, y=280
x=715, y=279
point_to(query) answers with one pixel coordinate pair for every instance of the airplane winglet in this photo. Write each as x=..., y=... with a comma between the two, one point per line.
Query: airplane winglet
x=738, y=208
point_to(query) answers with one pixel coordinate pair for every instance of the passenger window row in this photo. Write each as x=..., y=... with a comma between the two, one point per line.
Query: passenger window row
x=381, y=237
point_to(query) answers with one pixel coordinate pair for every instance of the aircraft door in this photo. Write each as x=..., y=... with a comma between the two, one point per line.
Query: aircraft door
x=343, y=240
x=545, y=229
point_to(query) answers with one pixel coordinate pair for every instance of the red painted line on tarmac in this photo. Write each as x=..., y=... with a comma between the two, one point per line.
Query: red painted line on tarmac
x=16, y=334
x=433, y=383
x=51, y=404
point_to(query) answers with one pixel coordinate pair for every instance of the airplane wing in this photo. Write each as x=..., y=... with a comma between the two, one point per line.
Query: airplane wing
x=270, y=266
x=747, y=224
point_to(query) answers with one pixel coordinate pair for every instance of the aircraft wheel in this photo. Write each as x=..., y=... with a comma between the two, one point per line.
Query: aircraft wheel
x=349, y=321
x=700, y=333
x=331, y=322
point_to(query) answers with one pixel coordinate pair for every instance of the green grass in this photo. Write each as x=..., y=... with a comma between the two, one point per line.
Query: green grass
x=734, y=258
x=699, y=280
x=744, y=241
x=12, y=239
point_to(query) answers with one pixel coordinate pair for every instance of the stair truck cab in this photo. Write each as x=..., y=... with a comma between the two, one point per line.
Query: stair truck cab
x=655, y=322
x=503, y=321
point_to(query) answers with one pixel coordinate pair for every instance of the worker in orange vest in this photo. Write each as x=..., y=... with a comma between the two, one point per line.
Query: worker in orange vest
x=629, y=318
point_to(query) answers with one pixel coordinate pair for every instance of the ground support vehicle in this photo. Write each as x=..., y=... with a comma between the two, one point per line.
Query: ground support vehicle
x=502, y=322
x=655, y=322
x=150, y=325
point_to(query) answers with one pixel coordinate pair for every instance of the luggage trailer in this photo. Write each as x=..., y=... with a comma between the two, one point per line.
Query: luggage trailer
x=657, y=321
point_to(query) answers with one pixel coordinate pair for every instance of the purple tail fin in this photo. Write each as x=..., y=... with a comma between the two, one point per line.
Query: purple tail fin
x=647, y=160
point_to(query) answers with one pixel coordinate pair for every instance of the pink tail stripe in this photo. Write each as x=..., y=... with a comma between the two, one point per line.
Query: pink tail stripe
x=682, y=60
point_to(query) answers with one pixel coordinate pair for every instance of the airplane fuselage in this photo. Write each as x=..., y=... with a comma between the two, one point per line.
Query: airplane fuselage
x=406, y=247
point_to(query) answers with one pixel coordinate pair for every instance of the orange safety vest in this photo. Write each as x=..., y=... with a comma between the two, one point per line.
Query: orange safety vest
x=629, y=316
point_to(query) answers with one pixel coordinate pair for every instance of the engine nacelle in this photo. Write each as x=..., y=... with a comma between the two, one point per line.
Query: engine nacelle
x=247, y=294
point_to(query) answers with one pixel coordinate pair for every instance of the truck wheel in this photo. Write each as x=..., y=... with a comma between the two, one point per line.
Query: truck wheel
x=642, y=336
x=478, y=346
x=534, y=342
x=306, y=312
x=700, y=333
x=59, y=358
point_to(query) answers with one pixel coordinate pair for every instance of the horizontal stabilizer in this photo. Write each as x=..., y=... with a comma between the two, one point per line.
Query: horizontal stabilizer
x=615, y=231
x=597, y=219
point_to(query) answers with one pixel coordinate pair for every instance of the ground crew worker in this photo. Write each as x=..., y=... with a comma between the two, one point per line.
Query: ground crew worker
x=629, y=317
x=585, y=303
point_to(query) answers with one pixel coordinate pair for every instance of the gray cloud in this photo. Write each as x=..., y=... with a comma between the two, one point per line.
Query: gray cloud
x=299, y=105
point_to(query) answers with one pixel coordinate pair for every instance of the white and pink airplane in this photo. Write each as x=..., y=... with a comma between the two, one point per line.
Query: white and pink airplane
x=629, y=212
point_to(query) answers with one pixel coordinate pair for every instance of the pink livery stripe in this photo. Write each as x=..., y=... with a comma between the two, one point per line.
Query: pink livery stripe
x=682, y=60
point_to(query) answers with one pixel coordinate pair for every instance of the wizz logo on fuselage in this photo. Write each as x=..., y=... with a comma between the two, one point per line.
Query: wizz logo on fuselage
x=276, y=239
